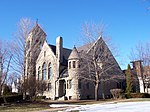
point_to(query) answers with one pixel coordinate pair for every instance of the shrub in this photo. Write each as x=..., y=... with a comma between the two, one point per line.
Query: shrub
x=126, y=95
x=7, y=90
x=137, y=95
x=41, y=97
x=116, y=93
x=11, y=98
x=1, y=100
x=140, y=95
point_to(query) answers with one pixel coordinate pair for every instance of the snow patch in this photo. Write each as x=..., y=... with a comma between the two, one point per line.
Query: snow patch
x=62, y=105
x=114, y=107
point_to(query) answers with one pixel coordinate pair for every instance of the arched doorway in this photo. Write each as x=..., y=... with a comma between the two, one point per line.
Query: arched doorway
x=62, y=88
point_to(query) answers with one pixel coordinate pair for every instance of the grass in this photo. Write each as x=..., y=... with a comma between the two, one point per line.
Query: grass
x=24, y=107
x=44, y=105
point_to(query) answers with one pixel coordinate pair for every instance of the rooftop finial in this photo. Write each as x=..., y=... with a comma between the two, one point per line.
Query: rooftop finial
x=36, y=21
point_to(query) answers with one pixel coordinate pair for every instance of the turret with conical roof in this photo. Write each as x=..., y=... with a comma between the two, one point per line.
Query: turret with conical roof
x=73, y=60
x=73, y=72
x=74, y=54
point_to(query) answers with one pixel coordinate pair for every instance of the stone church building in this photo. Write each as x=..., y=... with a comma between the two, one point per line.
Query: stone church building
x=60, y=68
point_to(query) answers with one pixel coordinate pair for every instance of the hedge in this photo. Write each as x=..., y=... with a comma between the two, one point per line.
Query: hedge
x=41, y=97
x=137, y=95
x=11, y=98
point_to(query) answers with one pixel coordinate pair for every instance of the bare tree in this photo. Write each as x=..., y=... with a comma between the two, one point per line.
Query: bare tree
x=27, y=47
x=5, y=61
x=142, y=52
x=13, y=76
x=38, y=87
x=97, y=62
x=18, y=47
x=41, y=87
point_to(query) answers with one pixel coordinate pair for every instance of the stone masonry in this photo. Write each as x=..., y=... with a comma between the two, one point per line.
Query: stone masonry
x=59, y=67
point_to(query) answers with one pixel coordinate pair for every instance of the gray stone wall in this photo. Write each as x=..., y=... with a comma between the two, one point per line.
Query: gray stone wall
x=47, y=56
x=34, y=42
x=70, y=86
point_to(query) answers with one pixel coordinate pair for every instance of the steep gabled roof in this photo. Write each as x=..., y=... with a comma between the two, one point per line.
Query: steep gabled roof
x=89, y=46
x=65, y=53
x=37, y=27
x=99, y=42
x=53, y=48
x=84, y=47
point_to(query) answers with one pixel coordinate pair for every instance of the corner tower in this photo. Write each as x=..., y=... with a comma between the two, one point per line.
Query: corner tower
x=73, y=72
x=33, y=45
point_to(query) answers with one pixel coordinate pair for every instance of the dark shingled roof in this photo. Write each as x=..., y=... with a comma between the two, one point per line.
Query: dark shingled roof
x=85, y=47
x=65, y=53
x=53, y=48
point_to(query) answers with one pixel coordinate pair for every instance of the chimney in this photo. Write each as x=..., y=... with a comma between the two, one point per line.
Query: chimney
x=137, y=67
x=59, y=47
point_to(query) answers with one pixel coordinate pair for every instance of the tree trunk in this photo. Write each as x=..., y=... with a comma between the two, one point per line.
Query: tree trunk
x=4, y=98
x=96, y=91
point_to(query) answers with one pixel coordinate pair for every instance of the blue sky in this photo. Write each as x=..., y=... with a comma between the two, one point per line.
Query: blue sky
x=127, y=21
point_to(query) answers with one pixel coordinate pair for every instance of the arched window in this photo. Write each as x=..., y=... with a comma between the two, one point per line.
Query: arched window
x=49, y=71
x=44, y=71
x=69, y=64
x=38, y=75
x=74, y=64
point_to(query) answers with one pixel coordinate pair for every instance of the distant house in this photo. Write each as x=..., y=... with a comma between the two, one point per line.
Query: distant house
x=60, y=68
x=16, y=86
x=142, y=82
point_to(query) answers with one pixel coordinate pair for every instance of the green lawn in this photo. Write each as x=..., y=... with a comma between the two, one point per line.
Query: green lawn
x=44, y=105
x=24, y=107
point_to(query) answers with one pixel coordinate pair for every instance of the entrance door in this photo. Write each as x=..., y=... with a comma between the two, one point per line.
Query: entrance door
x=62, y=88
